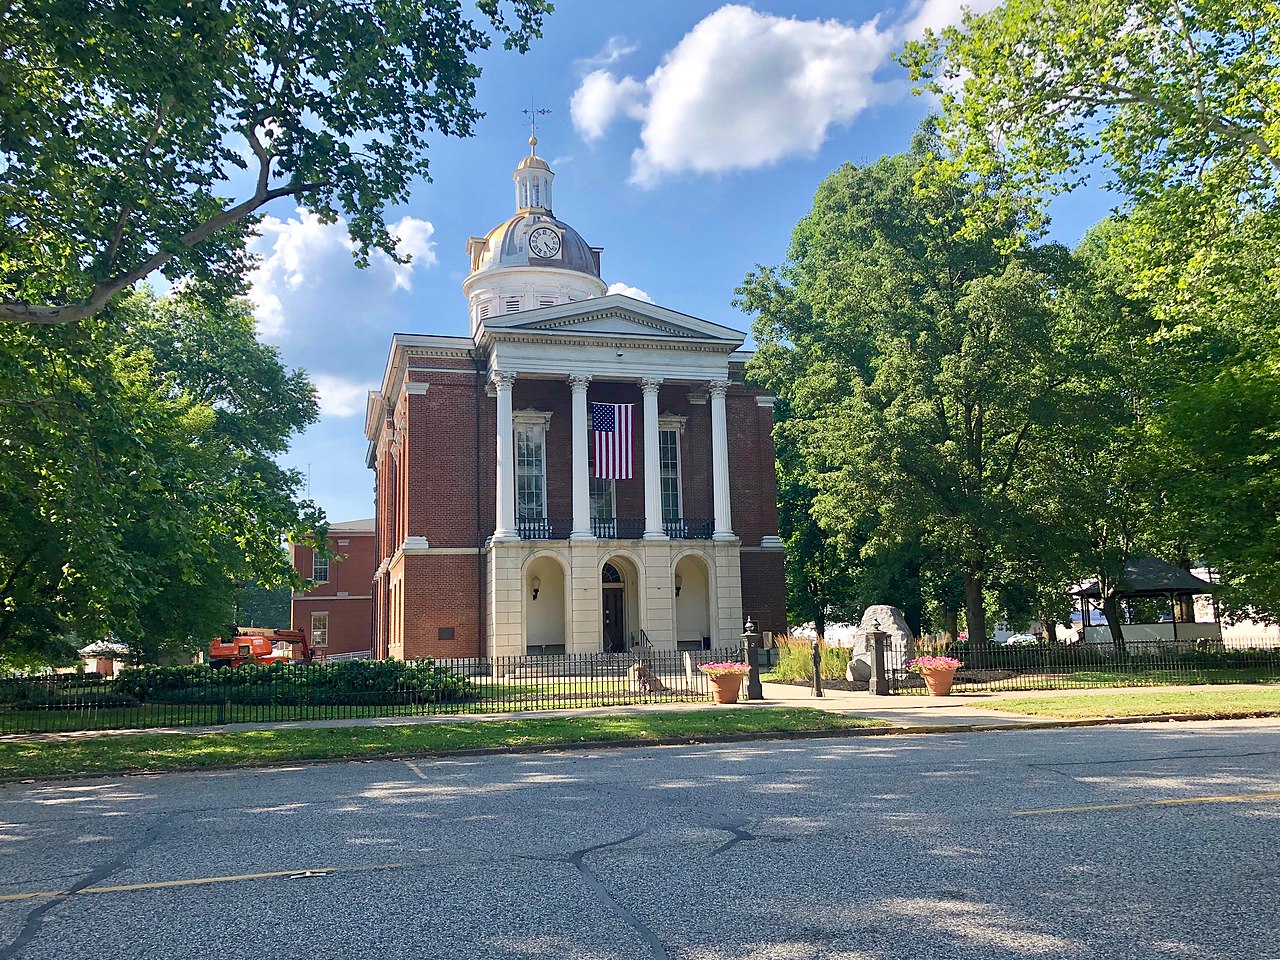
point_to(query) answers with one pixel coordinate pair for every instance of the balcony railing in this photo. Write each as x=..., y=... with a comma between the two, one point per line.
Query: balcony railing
x=551, y=528
x=687, y=528
x=620, y=528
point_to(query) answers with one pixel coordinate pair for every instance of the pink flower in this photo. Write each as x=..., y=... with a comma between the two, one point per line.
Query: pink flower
x=726, y=668
x=921, y=664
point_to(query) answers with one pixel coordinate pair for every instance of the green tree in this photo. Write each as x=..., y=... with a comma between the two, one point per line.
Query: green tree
x=925, y=360
x=1180, y=100
x=819, y=572
x=259, y=606
x=1167, y=94
x=139, y=483
x=144, y=136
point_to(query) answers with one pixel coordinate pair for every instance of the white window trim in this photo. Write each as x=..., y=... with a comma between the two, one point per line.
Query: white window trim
x=675, y=424
x=613, y=500
x=531, y=418
x=324, y=630
x=326, y=561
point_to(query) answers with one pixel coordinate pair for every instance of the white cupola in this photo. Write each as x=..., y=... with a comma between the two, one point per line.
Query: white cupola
x=531, y=260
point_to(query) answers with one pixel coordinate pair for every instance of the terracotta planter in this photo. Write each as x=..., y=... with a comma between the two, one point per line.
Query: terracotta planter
x=727, y=689
x=938, y=682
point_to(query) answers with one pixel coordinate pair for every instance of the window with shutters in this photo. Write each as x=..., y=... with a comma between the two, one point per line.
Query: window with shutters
x=512, y=305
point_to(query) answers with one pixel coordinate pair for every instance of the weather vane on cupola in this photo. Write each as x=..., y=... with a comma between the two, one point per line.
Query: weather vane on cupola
x=533, y=113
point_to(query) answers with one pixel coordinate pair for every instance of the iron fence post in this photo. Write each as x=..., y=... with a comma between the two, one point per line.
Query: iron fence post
x=751, y=650
x=878, y=684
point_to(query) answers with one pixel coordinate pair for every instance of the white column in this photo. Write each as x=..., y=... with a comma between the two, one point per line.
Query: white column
x=652, y=483
x=720, y=462
x=581, y=472
x=506, y=508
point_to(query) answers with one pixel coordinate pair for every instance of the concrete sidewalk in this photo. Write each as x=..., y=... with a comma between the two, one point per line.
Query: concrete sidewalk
x=901, y=711
x=957, y=709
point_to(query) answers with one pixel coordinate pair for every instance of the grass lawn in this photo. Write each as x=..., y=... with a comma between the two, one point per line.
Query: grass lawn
x=1227, y=702
x=1114, y=678
x=176, y=751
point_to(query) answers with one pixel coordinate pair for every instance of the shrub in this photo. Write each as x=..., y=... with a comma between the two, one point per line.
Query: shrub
x=40, y=695
x=356, y=682
x=795, y=661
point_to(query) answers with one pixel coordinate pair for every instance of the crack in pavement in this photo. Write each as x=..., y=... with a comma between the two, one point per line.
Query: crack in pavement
x=1167, y=756
x=626, y=916
x=34, y=922
x=738, y=836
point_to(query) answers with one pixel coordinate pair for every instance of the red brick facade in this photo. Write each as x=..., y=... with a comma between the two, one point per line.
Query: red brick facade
x=432, y=444
x=346, y=597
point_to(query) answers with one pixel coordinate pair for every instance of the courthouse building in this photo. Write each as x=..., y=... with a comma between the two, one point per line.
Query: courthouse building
x=586, y=472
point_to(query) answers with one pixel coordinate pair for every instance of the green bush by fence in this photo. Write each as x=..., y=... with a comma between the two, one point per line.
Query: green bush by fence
x=795, y=661
x=369, y=682
x=363, y=681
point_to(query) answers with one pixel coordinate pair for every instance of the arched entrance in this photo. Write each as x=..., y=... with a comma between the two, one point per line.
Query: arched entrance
x=619, y=605
x=544, y=606
x=692, y=582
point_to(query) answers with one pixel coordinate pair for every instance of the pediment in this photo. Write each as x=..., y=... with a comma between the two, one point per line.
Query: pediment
x=613, y=316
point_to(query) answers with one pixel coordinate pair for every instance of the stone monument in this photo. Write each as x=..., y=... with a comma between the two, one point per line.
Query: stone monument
x=900, y=645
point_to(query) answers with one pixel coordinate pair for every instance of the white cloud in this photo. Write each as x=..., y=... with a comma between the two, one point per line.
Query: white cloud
x=413, y=237
x=634, y=293
x=745, y=89
x=615, y=49
x=936, y=14
x=600, y=98
x=301, y=254
x=340, y=397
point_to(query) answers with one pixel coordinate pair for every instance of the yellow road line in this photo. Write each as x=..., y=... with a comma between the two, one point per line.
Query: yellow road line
x=197, y=881
x=1179, y=801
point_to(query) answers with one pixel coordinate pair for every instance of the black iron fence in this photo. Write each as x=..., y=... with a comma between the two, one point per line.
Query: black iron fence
x=685, y=528
x=1061, y=666
x=200, y=695
x=620, y=528
x=551, y=528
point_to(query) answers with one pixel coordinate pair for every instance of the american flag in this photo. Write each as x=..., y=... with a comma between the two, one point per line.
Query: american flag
x=611, y=430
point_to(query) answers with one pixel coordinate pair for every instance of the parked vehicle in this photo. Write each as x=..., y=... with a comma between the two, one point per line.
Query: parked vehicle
x=258, y=645
x=1019, y=640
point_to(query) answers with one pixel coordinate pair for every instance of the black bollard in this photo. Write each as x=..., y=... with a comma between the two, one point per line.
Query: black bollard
x=817, y=669
x=878, y=685
x=751, y=652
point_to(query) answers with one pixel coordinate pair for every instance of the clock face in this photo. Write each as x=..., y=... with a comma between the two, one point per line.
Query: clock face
x=545, y=243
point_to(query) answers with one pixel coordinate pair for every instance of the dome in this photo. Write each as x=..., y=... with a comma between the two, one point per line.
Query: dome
x=507, y=245
x=533, y=259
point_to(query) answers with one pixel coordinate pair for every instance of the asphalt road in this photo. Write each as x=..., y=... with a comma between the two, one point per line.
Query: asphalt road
x=1029, y=844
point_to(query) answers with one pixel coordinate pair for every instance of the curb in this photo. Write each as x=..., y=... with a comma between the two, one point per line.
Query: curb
x=636, y=743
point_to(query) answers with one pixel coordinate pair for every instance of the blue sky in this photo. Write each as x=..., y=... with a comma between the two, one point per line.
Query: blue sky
x=687, y=139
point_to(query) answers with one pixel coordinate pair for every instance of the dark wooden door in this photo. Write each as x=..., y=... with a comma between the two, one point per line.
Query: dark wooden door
x=611, y=604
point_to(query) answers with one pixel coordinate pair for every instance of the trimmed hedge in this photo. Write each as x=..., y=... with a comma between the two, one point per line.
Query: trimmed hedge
x=357, y=682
